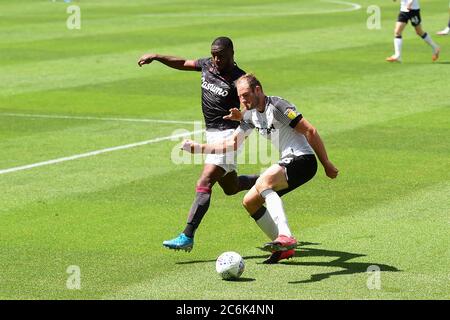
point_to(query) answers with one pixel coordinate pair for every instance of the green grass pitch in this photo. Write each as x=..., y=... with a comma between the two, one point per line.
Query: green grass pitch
x=386, y=127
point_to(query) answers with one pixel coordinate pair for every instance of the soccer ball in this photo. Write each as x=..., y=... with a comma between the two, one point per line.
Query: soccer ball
x=230, y=265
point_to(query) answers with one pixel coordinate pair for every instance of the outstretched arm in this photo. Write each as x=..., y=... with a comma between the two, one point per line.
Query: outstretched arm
x=311, y=134
x=224, y=146
x=173, y=62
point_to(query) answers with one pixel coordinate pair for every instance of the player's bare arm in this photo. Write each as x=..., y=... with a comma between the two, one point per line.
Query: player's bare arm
x=231, y=144
x=170, y=61
x=315, y=141
x=224, y=146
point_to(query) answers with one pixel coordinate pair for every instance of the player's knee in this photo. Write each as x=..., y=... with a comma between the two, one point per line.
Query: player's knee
x=248, y=204
x=205, y=182
x=264, y=183
x=229, y=191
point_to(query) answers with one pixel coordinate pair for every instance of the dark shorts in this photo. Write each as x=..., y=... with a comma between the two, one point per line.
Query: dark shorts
x=299, y=170
x=413, y=15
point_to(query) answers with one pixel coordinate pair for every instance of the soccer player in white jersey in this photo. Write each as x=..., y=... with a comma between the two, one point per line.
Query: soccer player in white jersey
x=410, y=10
x=296, y=139
x=445, y=31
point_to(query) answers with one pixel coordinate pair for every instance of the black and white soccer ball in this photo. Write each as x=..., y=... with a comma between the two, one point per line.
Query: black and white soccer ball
x=230, y=265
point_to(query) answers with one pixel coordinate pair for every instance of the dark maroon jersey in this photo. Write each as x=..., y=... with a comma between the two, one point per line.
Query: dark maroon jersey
x=219, y=94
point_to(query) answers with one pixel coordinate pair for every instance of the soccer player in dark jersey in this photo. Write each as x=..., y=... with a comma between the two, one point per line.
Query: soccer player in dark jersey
x=219, y=96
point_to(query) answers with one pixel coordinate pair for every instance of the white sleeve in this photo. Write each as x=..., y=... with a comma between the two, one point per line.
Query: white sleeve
x=244, y=129
x=246, y=126
x=286, y=112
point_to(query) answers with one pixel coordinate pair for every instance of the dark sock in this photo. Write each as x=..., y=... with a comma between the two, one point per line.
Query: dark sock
x=198, y=210
x=247, y=182
x=449, y=23
x=259, y=213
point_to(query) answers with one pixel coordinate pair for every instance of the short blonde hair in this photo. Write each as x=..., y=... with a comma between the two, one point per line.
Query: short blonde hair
x=251, y=80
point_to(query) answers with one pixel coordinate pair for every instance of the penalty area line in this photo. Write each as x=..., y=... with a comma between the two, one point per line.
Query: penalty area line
x=97, y=152
x=350, y=6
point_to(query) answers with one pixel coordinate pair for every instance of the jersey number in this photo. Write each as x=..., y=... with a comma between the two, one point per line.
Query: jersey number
x=415, y=20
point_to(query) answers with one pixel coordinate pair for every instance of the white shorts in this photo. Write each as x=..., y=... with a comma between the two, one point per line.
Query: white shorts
x=226, y=161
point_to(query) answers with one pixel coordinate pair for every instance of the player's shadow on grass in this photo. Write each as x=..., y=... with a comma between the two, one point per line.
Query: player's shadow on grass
x=342, y=261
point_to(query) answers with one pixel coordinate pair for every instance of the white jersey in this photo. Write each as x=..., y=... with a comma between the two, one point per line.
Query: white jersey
x=404, y=5
x=277, y=124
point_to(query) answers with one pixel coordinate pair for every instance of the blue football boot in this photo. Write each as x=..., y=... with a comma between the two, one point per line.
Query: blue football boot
x=182, y=242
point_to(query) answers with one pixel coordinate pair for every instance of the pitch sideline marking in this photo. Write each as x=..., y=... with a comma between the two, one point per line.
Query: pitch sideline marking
x=48, y=116
x=97, y=152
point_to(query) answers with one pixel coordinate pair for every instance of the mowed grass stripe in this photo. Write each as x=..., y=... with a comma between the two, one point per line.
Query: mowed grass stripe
x=312, y=91
x=88, y=175
x=200, y=267
x=93, y=25
x=42, y=12
x=180, y=45
x=368, y=137
x=68, y=117
x=93, y=153
x=346, y=152
x=96, y=17
x=30, y=77
x=348, y=239
x=63, y=138
x=49, y=140
x=84, y=41
x=109, y=215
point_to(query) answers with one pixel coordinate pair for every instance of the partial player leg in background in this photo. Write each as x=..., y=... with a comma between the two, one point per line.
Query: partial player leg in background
x=445, y=31
x=398, y=42
x=427, y=38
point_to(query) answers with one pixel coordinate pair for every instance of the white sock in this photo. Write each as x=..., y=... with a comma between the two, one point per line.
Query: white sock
x=268, y=226
x=398, y=47
x=276, y=210
x=430, y=41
